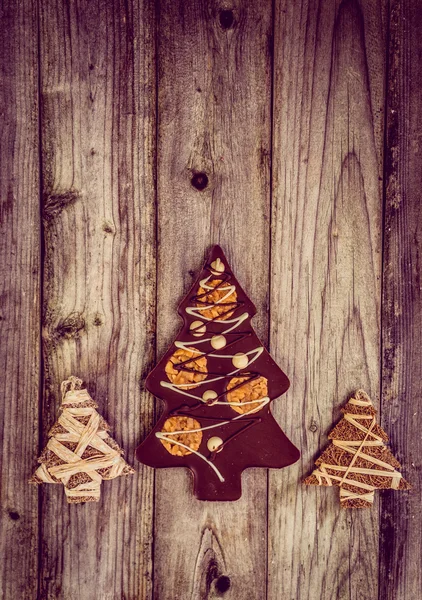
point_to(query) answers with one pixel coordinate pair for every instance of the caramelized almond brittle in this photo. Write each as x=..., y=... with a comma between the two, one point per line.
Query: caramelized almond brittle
x=192, y=373
x=221, y=309
x=255, y=389
x=187, y=437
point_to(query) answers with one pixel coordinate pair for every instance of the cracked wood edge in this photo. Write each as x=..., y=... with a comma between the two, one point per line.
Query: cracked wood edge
x=19, y=293
x=325, y=279
x=98, y=144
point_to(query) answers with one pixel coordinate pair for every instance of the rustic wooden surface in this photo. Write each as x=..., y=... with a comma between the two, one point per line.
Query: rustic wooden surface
x=135, y=135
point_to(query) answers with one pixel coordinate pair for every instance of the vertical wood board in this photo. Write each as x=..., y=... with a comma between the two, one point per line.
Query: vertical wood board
x=401, y=525
x=325, y=279
x=214, y=119
x=98, y=143
x=19, y=298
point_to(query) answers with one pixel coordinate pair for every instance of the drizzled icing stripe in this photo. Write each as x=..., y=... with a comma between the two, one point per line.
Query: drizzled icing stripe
x=263, y=401
x=176, y=386
x=162, y=436
x=248, y=377
x=165, y=436
x=202, y=402
x=237, y=320
x=231, y=306
x=198, y=354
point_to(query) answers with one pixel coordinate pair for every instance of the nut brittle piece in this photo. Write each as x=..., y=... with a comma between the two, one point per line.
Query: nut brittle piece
x=185, y=435
x=221, y=308
x=190, y=374
x=248, y=390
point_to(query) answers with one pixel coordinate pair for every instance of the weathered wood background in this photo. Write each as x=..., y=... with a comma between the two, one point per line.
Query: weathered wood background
x=306, y=119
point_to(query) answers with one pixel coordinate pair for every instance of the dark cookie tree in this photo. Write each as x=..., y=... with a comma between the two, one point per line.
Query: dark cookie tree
x=357, y=460
x=217, y=382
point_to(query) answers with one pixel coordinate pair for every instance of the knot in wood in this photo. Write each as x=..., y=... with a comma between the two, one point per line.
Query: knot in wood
x=226, y=19
x=70, y=326
x=55, y=203
x=222, y=584
x=313, y=426
x=199, y=181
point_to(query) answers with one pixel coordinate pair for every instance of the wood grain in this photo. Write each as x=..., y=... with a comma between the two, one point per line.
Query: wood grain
x=19, y=298
x=214, y=119
x=97, y=127
x=304, y=83
x=325, y=279
x=401, y=520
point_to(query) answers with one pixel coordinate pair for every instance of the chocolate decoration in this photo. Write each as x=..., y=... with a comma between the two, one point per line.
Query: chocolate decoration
x=249, y=439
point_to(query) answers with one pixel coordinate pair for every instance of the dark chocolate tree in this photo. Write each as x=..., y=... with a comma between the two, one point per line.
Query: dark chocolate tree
x=217, y=382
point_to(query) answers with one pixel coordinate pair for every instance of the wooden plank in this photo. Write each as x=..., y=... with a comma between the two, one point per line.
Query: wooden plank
x=401, y=520
x=98, y=124
x=214, y=118
x=325, y=279
x=20, y=298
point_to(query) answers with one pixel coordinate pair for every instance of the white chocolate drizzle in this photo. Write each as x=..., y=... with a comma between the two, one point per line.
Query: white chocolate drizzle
x=162, y=436
x=198, y=328
x=179, y=386
x=165, y=436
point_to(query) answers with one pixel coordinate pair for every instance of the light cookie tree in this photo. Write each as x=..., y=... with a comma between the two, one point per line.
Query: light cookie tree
x=80, y=453
x=357, y=460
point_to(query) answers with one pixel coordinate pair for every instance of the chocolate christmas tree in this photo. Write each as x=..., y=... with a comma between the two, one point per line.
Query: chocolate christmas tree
x=80, y=453
x=217, y=382
x=357, y=459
